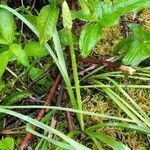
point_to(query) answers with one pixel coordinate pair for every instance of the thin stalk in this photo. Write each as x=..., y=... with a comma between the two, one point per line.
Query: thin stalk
x=91, y=73
x=120, y=102
x=146, y=119
x=123, y=125
x=72, y=110
x=62, y=63
x=112, y=86
x=119, y=76
x=76, y=79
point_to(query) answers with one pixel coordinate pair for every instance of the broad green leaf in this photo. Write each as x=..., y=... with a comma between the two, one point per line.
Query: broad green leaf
x=103, y=12
x=123, y=45
x=7, y=27
x=135, y=54
x=35, y=73
x=82, y=16
x=110, y=13
x=143, y=36
x=15, y=97
x=3, y=64
x=89, y=38
x=32, y=19
x=20, y=54
x=35, y=49
x=46, y=22
x=67, y=20
x=138, y=49
x=63, y=35
x=88, y=11
x=84, y=6
x=109, y=141
x=126, y=6
x=7, y=144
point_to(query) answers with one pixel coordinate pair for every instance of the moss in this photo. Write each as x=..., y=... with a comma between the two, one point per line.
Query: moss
x=145, y=18
x=142, y=97
x=101, y=103
x=111, y=36
x=95, y=104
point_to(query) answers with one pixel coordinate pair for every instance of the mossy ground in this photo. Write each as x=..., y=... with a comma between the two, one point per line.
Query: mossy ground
x=101, y=103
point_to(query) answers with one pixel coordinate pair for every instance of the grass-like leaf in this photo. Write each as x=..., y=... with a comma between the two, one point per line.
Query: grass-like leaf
x=45, y=127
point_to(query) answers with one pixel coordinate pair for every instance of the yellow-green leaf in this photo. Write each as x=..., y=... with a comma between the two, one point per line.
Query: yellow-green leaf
x=20, y=54
x=46, y=22
x=35, y=49
x=7, y=144
x=7, y=27
x=5, y=58
x=67, y=20
x=89, y=37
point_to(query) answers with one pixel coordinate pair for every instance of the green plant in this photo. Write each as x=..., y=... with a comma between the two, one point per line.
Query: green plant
x=101, y=14
x=7, y=144
x=43, y=26
x=137, y=47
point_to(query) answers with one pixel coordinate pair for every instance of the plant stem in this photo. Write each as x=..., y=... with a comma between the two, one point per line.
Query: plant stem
x=76, y=79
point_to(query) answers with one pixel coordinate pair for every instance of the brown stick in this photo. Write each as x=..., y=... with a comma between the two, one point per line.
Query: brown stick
x=58, y=104
x=107, y=64
x=41, y=113
x=69, y=120
x=125, y=27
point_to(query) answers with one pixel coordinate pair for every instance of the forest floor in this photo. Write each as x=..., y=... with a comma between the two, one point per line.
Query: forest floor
x=20, y=88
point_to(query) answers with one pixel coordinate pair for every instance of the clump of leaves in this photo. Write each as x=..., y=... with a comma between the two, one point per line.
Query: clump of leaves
x=137, y=47
x=101, y=14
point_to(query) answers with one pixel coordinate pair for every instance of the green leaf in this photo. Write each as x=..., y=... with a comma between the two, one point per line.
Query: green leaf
x=5, y=57
x=7, y=27
x=67, y=20
x=46, y=22
x=85, y=8
x=45, y=127
x=15, y=97
x=109, y=141
x=82, y=16
x=123, y=45
x=20, y=54
x=2, y=85
x=87, y=11
x=35, y=49
x=126, y=6
x=89, y=38
x=139, y=49
x=63, y=35
x=7, y=144
x=123, y=125
x=35, y=73
x=61, y=144
x=99, y=146
x=109, y=13
x=135, y=54
x=32, y=19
